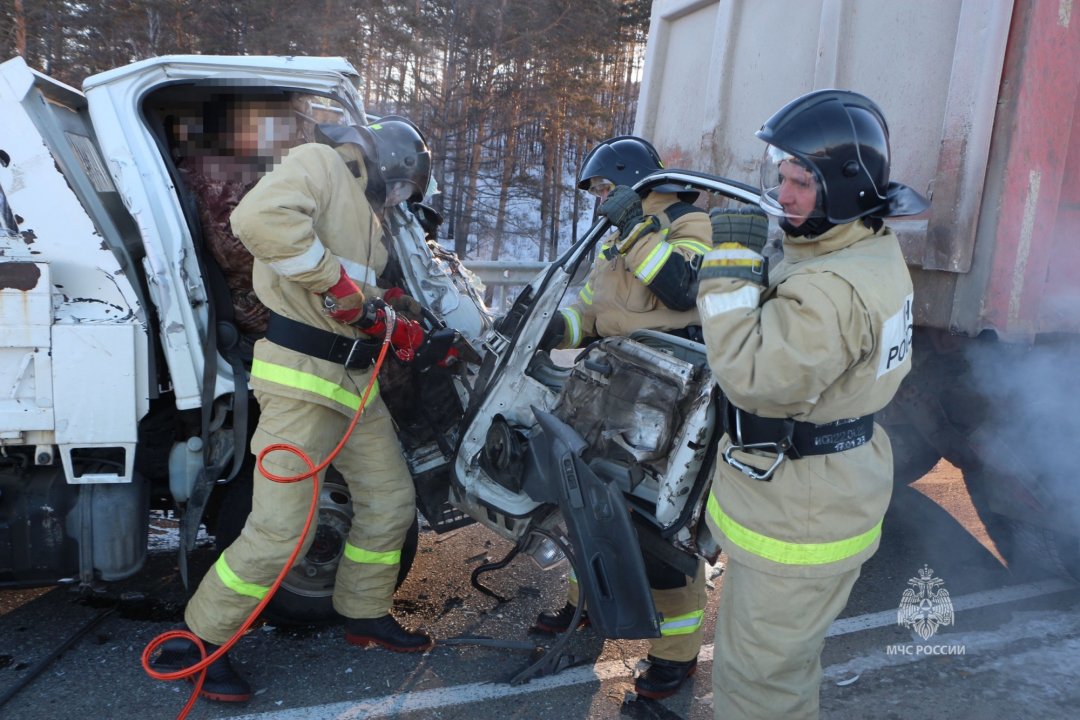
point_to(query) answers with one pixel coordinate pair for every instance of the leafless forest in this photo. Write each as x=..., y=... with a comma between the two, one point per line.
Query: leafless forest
x=511, y=93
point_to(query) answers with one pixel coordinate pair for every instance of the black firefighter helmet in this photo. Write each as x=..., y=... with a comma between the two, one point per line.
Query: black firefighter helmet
x=395, y=147
x=842, y=138
x=624, y=160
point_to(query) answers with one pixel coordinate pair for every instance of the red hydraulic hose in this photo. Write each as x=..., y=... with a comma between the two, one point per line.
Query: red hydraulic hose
x=199, y=668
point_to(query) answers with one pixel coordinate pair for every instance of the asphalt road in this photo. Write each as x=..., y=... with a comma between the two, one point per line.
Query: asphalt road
x=1013, y=650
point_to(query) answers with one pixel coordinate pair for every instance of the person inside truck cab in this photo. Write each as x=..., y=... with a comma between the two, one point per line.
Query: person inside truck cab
x=644, y=277
x=313, y=226
x=220, y=154
x=805, y=353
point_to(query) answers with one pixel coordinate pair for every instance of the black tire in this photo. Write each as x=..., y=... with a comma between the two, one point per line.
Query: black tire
x=305, y=596
x=1031, y=551
x=1034, y=552
x=1055, y=551
x=913, y=457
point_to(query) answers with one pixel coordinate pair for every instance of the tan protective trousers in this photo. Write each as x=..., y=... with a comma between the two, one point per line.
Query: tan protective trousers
x=682, y=611
x=383, y=510
x=770, y=631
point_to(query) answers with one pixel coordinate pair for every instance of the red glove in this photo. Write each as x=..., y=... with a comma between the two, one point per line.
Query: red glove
x=392, y=294
x=344, y=301
x=406, y=337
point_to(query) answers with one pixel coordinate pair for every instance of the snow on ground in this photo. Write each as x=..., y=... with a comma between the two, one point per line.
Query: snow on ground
x=522, y=233
x=165, y=533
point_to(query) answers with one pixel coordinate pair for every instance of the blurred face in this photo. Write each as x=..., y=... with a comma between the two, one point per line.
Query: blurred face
x=797, y=192
x=260, y=129
x=600, y=187
x=399, y=192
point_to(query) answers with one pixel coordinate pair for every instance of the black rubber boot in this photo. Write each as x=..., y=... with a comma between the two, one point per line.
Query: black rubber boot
x=385, y=632
x=663, y=678
x=222, y=682
x=558, y=621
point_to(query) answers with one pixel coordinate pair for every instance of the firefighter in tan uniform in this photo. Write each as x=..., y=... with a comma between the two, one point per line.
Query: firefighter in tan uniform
x=313, y=225
x=644, y=277
x=806, y=352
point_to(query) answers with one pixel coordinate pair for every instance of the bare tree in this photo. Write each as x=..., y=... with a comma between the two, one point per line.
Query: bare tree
x=510, y=93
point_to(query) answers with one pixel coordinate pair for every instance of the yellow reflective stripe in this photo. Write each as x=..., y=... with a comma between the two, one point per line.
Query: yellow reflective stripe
x=696, y=245
x=650, y=266
x=573, y=326
x=370, y=557
x=571, y=577
x=789, y=553
x=586, y=294
x=232, y=581
x=682, y=624
x=727, y=255
x=310, y=383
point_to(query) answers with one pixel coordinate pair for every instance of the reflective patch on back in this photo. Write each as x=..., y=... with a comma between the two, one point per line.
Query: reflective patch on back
x=896, y=339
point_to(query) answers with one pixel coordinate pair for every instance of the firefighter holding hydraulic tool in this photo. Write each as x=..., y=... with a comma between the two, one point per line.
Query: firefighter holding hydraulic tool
x=806, y=352
x=313, y=225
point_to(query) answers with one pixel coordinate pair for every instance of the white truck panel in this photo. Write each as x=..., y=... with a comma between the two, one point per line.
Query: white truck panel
x=25, y=364
x=94, y=386
x=54, y=168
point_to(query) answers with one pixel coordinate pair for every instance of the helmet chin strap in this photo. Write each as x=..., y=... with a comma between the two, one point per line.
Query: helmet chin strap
x=376, y=185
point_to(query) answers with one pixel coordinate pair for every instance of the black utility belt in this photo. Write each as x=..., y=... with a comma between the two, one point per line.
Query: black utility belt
x=355, y=354
x=794, y=438
x=789, y=438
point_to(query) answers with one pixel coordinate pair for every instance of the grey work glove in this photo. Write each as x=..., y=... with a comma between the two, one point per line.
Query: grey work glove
x=623, y=209
x=738, y=237
x=747, y=225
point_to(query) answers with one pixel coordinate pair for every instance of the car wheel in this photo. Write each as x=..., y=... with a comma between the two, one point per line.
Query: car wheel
x=305, y=595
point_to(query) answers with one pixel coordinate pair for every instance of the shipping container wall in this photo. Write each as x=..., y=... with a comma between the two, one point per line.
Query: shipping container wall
x=716, y=69
x=1024, y=280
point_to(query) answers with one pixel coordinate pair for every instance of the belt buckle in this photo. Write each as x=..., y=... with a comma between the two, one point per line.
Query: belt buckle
x=780, y=448
x=349, y=357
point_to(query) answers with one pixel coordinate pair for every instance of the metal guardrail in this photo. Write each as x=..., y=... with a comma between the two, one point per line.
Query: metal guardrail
x=504, y=278
x=505, y=272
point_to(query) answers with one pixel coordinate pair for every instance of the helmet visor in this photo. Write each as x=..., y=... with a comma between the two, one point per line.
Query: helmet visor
x=790, y=188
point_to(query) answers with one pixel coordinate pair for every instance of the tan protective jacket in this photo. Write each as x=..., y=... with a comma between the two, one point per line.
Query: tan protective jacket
x=830, y=339
x=304, y=221
x=616, y=299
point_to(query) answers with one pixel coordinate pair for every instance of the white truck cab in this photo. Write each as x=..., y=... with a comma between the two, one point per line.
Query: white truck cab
x=123, y=375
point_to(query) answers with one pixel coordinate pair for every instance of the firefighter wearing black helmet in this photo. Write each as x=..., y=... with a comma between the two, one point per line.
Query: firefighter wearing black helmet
x=645, y=272
x=644, y=277
x=806, y=352
x=314, y=227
